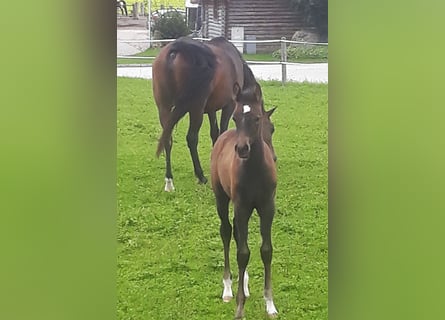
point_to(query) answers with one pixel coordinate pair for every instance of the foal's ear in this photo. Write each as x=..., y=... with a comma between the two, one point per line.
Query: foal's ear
x=258, y=92
x=269, y=113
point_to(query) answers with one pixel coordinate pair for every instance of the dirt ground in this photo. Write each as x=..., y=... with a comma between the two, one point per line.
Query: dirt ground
x=131, y=23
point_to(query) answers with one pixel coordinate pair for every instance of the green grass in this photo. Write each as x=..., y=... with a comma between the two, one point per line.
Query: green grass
x=152, y=52
x=170, y=256
x=156, y=4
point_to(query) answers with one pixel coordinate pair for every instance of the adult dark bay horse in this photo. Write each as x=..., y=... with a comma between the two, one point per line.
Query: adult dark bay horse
x=122, y=5
x=196, y=78
x=243, y=170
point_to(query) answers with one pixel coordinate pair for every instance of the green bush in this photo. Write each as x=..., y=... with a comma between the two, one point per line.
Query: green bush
x=304, y=51
x=171, y=25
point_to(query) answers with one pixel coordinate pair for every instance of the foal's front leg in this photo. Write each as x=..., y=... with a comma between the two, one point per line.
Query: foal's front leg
x=241, y=221
x=225, y=230
x=266, y=216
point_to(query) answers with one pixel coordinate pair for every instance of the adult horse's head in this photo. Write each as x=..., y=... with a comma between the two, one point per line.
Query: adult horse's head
x=253, y=123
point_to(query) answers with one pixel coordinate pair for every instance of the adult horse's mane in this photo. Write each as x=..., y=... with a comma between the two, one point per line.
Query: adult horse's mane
x=249, y=78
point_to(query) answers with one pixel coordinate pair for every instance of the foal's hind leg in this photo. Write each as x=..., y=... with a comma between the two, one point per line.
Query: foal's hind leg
x=192, y=142
x=266, y=214
x=214, y=130
x=225, y=230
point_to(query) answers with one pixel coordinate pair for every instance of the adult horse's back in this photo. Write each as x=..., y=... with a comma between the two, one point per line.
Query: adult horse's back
x=196, y=78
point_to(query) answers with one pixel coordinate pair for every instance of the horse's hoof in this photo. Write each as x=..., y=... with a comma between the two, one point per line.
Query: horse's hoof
x=227, y=299
x=270, y=309
x=202, y=180
x=169, y=185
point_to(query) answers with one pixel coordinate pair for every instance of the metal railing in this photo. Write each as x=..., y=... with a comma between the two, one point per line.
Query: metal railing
x=283, y=52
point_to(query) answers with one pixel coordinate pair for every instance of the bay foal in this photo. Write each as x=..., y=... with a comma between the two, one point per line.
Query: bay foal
x=243, y=170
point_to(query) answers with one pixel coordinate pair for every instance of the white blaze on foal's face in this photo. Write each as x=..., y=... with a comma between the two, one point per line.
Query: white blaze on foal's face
x=246, y=108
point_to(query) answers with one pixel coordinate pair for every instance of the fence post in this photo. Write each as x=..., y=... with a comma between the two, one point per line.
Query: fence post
x=283, y=61
x=136, y=10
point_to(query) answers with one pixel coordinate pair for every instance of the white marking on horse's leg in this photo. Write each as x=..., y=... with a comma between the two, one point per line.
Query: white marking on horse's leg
x=169, y=185
x=270, y=307
x=246, y=284
x=227, y=293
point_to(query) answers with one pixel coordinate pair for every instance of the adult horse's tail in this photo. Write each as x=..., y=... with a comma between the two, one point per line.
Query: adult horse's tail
x=186, y=69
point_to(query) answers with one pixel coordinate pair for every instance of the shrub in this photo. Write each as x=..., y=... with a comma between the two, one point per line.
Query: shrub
x=304, y=51
x=171, y=25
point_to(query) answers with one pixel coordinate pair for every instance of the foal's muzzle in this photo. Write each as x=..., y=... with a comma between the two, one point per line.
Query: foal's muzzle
x=243, y=151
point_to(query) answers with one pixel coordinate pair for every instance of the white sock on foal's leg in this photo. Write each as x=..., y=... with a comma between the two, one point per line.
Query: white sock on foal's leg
x=270, y=307
x=246, y=284
x=227, y=293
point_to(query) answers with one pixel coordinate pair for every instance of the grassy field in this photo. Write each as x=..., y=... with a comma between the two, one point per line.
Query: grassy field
x=156, y=4
x=153, y=52
x=170, y=256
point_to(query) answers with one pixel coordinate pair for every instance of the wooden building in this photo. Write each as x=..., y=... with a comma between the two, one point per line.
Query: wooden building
x=250, y=19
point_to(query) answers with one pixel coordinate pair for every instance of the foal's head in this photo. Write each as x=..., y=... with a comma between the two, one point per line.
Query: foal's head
x=253, y=123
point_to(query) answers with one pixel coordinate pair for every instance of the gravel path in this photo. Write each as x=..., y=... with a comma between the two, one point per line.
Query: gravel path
x=314, y=72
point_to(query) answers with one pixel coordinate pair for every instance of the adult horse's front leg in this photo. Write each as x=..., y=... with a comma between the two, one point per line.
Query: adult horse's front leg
x=226, y=113
x=214, y=130
x=266, y=216
x=192, y=142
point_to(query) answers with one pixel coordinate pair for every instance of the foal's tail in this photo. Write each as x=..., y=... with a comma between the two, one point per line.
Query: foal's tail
x=189, y=67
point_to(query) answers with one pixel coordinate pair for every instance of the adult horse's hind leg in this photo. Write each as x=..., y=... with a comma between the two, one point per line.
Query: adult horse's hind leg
x=168, y=168
x=266, y=216
x=164, y=114
x=192, y=142
x=225, y=230
x=214, y=130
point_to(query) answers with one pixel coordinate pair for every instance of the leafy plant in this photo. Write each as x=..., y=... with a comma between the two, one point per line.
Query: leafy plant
x=171, y=25
x=304, y=51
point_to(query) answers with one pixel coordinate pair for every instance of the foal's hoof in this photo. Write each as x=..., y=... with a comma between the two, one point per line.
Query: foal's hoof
x=270, y=309
x=227, y=299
